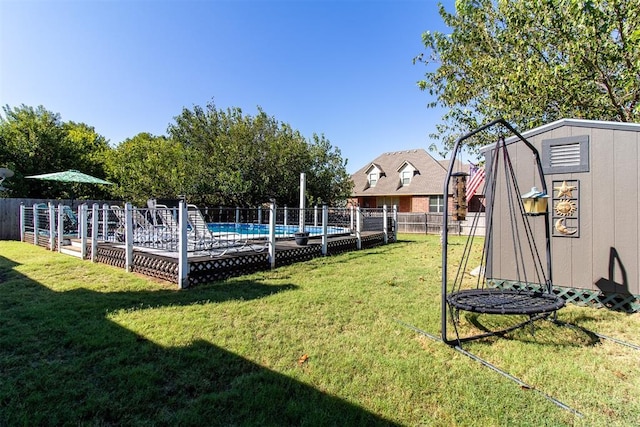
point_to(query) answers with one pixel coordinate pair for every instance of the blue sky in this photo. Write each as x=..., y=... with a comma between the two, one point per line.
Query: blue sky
x=339, y=68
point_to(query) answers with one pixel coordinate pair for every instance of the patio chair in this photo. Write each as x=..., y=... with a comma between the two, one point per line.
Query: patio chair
x=216, y=243
x=143, y=230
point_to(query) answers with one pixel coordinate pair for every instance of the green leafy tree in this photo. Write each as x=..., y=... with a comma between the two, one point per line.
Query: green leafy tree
x=534, y=61
x=36, y=141
x=148, y=166
x=243, y=160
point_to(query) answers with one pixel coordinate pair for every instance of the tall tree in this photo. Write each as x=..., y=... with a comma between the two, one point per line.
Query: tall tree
x=534, y=61
x=148, y=166
x=244, y=160
x=37, y=141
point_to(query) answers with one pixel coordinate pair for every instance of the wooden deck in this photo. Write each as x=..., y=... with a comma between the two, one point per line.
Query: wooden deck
x=209, y=266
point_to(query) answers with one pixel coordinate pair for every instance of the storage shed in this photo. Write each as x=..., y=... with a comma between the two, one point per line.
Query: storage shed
x=592, y=174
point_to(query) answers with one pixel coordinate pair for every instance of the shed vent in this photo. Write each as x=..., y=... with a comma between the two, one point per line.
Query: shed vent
x=565, y=155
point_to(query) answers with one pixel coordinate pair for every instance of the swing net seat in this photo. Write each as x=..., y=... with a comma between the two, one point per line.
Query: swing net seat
x=504, y=301
x=514, y=252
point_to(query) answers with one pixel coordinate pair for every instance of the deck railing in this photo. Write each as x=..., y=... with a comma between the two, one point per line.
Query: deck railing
x=188, y=230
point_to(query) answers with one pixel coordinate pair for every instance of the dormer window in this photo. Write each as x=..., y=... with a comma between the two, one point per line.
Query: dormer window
x=373, y=179
x=374, y=173
x=406, y=177
x=406, y=172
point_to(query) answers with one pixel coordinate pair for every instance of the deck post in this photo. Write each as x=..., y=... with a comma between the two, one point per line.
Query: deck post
x=60, y=226
x=128, y=239
x=105, y=222
x=84, y=225
x=183, y=262
x=395, y=223
x=358, y=229
x=52, y=227
x=351, y=217
x=22, y=228
x=286, y=215
x=325, y=224
x=94, y=232
x=385, y=227
x=272, y=234
x=35, y=224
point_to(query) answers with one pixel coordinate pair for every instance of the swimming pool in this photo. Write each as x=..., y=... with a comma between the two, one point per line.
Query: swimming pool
x=263, y=229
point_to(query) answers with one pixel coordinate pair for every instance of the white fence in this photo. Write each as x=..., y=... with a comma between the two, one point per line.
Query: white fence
x=184, y=230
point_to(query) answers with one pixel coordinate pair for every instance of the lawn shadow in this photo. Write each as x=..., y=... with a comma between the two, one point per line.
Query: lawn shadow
x=542, y=332
x=63, y=362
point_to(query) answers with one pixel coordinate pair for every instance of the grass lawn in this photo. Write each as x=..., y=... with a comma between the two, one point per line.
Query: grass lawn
x=314, y=343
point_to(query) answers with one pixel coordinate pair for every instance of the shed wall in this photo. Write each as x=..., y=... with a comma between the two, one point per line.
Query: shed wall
x=606, y=254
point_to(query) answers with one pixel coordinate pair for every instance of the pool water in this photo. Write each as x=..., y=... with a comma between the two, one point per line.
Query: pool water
x=263, y=229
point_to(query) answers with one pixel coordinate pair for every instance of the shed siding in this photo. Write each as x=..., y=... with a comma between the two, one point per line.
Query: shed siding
x=609, y=206
x=625, y=188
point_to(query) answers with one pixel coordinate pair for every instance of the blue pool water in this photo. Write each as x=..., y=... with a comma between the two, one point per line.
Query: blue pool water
x=263, y=229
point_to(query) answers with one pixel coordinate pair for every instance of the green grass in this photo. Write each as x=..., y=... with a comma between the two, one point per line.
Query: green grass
x=88, y=344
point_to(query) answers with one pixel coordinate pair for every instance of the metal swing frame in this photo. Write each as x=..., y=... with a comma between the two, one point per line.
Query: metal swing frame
x=537, y=305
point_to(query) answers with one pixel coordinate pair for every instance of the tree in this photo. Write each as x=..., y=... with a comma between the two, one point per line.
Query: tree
x=36, y=141
x=243, y=160
x=534, y=61
x=148, y=166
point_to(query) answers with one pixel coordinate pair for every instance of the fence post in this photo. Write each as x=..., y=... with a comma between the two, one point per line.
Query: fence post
x=260, y=214
x=351, y=217
x=358, y=229
x=94, y=232
x=84, y=225
x=315, y=215
x=52, y=227
x=237, y=215
x=183, y=262
x=105, y=222
x=286, y=215
x=35, y=224
x=272, y=234
x=60, y=226
x=395, y=223
x=385, y=228
x=128, y=239
x=325, y=224
x=22, y=224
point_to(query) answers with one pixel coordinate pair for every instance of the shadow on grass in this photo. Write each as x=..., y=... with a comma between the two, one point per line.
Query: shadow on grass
x=541, y=332
x=63, y=362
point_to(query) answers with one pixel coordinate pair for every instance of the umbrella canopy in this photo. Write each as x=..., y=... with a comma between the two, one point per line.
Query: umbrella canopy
x=71, y=176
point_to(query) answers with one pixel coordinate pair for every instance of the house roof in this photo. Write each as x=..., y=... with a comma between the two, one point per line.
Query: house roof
x=428, y=178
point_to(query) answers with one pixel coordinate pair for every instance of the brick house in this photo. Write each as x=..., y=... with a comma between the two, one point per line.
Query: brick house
x=410, y=179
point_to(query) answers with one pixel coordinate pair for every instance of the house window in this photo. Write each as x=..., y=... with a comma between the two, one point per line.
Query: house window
x=406, y=177
x=565, y=155
x=436, y=203
x=373, y=179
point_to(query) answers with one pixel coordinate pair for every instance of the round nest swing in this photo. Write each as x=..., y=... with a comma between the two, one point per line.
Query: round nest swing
x=513, y=253
x=504, y=301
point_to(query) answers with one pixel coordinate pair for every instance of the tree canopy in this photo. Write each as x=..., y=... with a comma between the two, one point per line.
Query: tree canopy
x=533, y=62
x=35, y=141
x=211, y=156
x=241, y=160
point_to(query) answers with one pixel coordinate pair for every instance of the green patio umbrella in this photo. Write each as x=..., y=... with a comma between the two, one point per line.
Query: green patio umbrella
x=71, y=175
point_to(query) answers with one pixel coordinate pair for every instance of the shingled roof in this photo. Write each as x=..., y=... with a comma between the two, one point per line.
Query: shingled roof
x=427, y=180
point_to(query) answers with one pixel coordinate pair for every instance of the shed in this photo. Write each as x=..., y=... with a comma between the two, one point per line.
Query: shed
x=592, y=172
